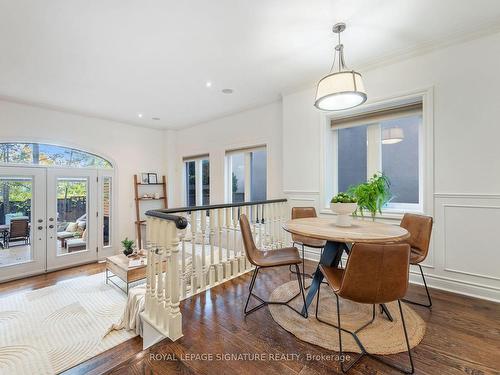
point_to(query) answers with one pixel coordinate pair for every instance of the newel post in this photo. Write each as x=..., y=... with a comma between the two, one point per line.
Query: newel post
x=175, y=319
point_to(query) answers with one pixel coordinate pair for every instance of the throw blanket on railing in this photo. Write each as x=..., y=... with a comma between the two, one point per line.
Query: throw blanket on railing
x=131, y=319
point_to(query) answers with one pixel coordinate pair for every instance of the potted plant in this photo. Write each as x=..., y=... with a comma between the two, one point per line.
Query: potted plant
x=343, y=205
x=372, y=195
x=128, y=246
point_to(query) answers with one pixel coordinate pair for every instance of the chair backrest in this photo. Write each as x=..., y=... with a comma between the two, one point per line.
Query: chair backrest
x=18, y=228
x=420, y=228
x=248, y=242
x=376, y=273
x=302, y=213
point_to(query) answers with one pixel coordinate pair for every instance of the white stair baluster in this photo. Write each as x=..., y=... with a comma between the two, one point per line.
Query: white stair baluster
x=202, y=272
x=194, y=279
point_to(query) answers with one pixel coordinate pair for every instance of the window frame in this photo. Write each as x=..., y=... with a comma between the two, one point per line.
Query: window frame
x=247, y=151
x=374, y=162
x=198, y=170
x=328, y=175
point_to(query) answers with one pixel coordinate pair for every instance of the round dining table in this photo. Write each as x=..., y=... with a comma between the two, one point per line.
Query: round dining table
x=340, y=239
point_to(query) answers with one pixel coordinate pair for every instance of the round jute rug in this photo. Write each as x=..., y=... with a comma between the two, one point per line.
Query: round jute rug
x=381, y=337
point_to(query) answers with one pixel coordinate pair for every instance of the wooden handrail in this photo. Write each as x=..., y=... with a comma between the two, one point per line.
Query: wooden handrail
x=210, y=207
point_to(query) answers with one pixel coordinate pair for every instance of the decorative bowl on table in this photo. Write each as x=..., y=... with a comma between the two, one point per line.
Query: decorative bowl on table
x=343, y=205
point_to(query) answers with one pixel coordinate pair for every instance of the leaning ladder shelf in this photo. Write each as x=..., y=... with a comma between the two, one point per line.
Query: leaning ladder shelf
x=138, y=199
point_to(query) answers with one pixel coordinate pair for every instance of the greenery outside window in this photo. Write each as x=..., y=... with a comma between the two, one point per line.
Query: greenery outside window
x=49, y=155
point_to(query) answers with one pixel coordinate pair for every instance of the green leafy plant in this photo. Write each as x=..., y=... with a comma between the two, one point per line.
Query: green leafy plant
x=372, y=195
x=343, y=198
x=128, y=246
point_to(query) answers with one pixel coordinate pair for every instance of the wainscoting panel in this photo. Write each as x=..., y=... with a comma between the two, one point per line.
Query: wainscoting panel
x=466, y=244
x=471, y=240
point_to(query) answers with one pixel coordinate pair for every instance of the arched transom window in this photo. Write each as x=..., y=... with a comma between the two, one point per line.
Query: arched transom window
x=50, y=155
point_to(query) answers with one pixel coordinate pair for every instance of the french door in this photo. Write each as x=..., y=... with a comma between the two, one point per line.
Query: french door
x=49, y=219
x=71, y=217
x=22, y=222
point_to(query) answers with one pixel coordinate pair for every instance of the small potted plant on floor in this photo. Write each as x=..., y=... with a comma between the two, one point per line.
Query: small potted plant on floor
x=128, y=246
x=343, y=205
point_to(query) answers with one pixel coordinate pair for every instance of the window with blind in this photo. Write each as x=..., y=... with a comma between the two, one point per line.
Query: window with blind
x=386, y=140
x=197, y=181
x=246, y=174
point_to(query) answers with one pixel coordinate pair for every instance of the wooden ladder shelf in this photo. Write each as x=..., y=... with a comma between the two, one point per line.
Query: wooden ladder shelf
x=138, y=199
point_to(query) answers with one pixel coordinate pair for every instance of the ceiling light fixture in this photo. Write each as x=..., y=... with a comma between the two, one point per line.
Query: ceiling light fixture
x=139, y=115
x=343, y=88
x=208, y=84
x=392, y=136
x=227, y=91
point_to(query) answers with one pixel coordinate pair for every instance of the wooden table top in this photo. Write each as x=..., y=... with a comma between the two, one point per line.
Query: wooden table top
x=360, y=231
x=122, y=262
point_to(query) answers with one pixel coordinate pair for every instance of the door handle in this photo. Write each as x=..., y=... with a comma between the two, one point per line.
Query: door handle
x=51, y=226
x=51, y=219
x=40, y=220
x=40, y=227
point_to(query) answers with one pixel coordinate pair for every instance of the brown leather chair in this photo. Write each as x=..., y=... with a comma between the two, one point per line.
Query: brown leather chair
x=19, y=231
x=374, y=274
x=264, y=259
x=420, y=228
x=300, y=213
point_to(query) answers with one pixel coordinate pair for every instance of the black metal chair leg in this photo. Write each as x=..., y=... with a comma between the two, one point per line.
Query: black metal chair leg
x=301, y=288
x=429, y=304
x=265, y=303
x=411, y=370
x=252, y=283
x=364, y=352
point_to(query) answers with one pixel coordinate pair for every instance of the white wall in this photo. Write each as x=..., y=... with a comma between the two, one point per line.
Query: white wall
x=466, y=191
x=250, y=128
x=465, y=194
x=132, y=149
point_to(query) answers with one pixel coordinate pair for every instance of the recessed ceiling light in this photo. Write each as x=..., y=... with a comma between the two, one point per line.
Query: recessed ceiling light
x=155, y=118
x=208, y=84
x=139, y=115
x=227, y=91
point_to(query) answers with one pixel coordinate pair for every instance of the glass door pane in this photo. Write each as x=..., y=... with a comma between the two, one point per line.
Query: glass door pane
x=106, y=211
x=22, y=222
x=190, y=183
x=237, y=178
x=205, y=178
x=258, y=175
x=72, y=212
x=16, y=197
x=72, y=217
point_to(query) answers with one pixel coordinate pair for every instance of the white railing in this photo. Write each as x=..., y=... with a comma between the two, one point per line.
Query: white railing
x=192, y=249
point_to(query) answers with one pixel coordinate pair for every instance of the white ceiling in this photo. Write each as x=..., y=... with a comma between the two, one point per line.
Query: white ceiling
x=117, y=58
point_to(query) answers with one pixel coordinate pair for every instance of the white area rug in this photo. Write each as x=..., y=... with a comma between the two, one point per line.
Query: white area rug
x=50, y=330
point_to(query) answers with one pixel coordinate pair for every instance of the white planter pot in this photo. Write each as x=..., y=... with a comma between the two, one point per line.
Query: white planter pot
x=343, y=211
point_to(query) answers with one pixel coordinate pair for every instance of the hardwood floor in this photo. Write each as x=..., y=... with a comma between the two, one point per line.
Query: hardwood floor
x=463, y=335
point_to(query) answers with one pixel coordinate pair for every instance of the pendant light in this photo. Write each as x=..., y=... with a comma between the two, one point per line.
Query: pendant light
x=342, y=88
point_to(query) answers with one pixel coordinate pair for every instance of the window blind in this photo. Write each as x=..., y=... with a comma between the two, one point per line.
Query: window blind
x=375, y=116
x=245, y=149
x=195, y=157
